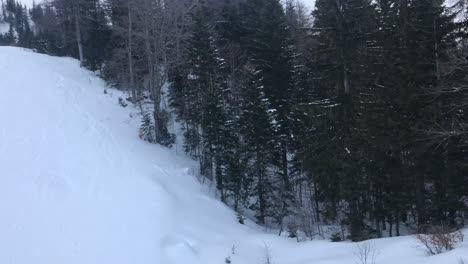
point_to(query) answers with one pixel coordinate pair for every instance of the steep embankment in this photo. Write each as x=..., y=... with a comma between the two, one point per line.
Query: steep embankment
x=78, y=186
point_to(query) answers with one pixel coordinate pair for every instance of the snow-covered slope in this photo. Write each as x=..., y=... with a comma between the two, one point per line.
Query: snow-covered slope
x=78, y=186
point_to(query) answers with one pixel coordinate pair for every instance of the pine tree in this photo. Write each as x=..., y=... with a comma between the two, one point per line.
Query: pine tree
x=47, y=38
x=4, y=10
x=147, y=129
x=257, y=135
x=199, y=92
x=26, y=36
x=96, y=35
x=10, y=37
x=344, y=31
x=267, y=42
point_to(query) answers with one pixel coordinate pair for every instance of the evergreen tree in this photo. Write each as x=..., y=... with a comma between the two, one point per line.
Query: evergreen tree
x=344, y=31
x=267, y=41
x=147, y=129
x=257, y=134
x=10, y=37
x=96, y=35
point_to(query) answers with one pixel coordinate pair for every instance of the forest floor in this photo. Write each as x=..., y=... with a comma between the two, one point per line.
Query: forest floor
x=77, y=185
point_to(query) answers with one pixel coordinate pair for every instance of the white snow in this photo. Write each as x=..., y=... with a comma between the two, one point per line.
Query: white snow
x=78, y=186
x=309, y=3
x=4, y=27
x=29, y=3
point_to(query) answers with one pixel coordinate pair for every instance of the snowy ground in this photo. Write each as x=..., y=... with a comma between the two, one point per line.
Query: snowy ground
x=78, y=186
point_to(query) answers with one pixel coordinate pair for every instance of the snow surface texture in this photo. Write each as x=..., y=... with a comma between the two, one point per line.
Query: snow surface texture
x=78, y=186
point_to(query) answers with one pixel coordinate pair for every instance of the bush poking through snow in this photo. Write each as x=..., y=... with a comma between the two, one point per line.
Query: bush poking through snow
x=336, y=237
x=228, y=260
x=292, y=230
x=122, y=102
x=365, y=253
x=240, y=218
x=439, y=239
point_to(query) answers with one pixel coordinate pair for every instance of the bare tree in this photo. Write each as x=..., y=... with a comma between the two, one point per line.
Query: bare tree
x=365, y=253
x=439, y=239
x=159, y=27
x=451, y=94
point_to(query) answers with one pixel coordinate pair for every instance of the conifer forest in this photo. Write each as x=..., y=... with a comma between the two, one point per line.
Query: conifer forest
x=349, y=113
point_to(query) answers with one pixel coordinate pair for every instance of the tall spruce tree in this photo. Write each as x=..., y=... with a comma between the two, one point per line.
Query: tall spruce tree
x=344, y=30
x=266, y=40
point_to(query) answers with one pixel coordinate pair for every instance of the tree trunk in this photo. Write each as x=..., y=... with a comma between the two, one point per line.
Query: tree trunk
x=436, y=50
x=390, y=229
x=261, y=198
x=317, y=203
x=420, y=198
x=78, y=35
x=397, y=224
x=130, y=55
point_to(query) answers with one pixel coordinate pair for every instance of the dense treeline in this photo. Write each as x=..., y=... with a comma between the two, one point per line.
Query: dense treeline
x=52, y=28
x=353, y=115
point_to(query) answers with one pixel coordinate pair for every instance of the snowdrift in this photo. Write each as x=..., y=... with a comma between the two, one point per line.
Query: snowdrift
x=78, y=186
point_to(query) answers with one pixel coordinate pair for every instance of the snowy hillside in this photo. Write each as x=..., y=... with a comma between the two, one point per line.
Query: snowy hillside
x=78, y=186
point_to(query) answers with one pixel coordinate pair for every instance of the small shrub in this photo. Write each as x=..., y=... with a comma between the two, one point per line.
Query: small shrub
x=228, y=260
x=122, y=102
x=292, y=230
x=336, y=237
x=365, y=253
x=240, y=218
x=439, y=239
x=147, y=132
